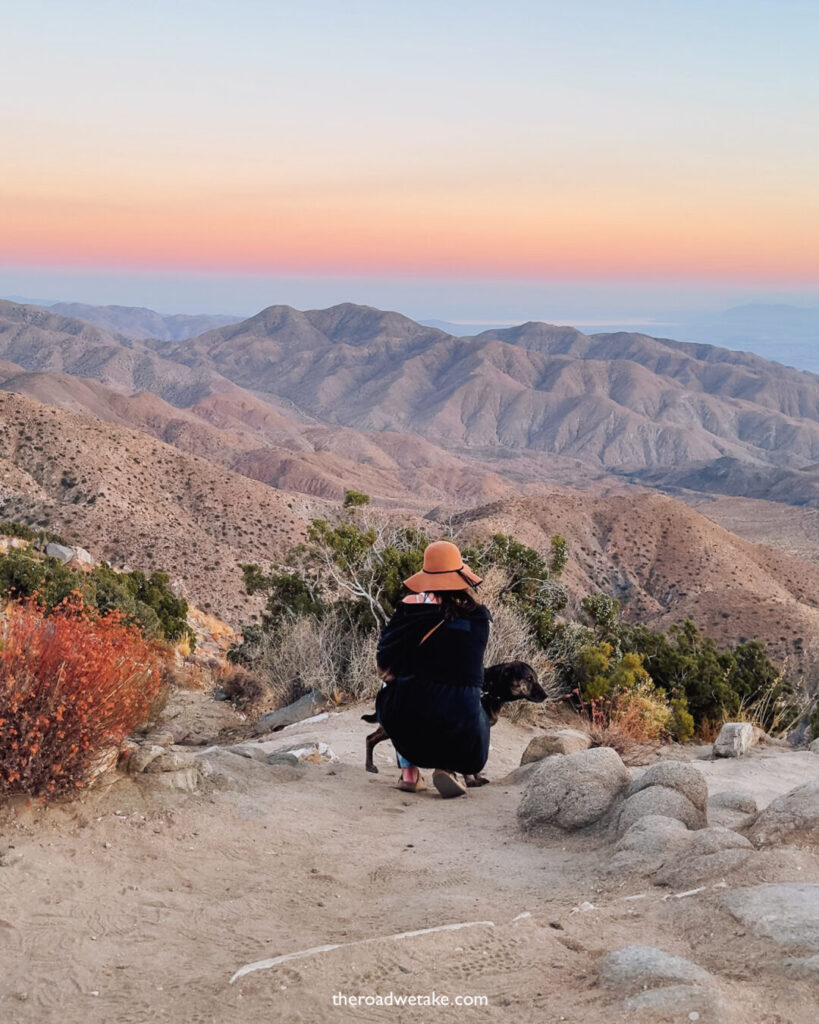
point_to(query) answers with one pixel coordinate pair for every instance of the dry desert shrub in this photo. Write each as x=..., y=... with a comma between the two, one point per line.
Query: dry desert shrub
x=244, y=690
x=327, y=654
x=72, y=685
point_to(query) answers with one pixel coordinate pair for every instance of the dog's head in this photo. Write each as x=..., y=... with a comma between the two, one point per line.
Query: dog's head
x=514, y=680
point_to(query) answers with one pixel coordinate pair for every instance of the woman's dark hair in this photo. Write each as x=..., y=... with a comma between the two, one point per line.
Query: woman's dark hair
x=457, y=602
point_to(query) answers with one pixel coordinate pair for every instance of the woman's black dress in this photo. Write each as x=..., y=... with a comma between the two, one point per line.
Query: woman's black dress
x=433, y=711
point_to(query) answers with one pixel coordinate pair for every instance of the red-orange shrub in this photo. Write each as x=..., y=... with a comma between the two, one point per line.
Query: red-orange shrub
x=72, y=685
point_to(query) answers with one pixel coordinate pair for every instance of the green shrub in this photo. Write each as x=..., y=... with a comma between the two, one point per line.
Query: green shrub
x=146, y=601
x=355, y=499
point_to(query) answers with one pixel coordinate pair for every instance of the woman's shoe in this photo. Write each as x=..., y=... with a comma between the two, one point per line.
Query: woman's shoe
x=412, y=787
x=447, y=783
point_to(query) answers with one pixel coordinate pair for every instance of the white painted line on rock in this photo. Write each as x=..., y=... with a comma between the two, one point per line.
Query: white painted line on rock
x=263, y=965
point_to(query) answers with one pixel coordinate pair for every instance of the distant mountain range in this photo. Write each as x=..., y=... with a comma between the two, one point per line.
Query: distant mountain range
x=138, y=323
x=531, y=404
x=785, y=334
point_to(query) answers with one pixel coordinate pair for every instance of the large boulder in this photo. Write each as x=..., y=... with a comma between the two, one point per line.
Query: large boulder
x=59, y=551
x=788, y=915
x=304, y=707
x=639, y=967
x=555, y=741
x=814, y=747
x=678, y=775
x=794, y=815
x=735, y=739
x=573, y=791
x=659, y=800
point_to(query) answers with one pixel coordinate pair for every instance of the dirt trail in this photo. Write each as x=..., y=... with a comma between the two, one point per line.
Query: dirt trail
x=138, y=905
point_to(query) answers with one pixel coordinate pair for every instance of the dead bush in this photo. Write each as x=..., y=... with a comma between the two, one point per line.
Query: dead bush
x=243, y=689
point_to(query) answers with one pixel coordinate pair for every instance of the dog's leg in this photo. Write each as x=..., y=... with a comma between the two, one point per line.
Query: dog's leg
x=373, y=740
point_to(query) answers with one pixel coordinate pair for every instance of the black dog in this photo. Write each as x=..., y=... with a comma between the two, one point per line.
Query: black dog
x=508, y=681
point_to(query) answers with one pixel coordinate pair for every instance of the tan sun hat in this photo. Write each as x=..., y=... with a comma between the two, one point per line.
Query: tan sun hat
x=444, y=569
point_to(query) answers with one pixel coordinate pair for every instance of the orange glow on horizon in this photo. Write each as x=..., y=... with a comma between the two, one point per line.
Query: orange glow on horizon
x=622, y=232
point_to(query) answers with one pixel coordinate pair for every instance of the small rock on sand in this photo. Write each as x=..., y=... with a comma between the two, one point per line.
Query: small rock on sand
x=555, y=741
x=637, y=967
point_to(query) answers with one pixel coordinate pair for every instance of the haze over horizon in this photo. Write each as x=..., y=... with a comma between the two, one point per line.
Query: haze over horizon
x=466, y=163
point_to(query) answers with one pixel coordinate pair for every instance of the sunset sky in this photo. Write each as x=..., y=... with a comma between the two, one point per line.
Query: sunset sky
x=230, y=155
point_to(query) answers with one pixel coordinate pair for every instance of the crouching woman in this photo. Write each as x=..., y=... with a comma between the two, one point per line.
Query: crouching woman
x=430, y=654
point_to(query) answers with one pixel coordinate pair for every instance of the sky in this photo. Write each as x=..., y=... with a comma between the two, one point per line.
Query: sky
x=467, y=159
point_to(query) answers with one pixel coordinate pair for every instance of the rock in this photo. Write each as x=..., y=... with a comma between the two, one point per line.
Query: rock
x=314, y=752
x=787, y=914
x=303, y=708
x=814, y=747
x=803, y=967
x=162, y=738
x=185, y=780
x=59, y=551
x=143, y=756
x=659, y=800
x=254, y=751
x=646, y=846
x=171, y=761
x=322, y=717
x=555, y=741
x=637, y=967
x=731, y=809
x=10, y=856
x=794, y=815
x=220, y=694
x=734, y=740
x=81, y=558
x=283, y=757
x=225, y=769
x=519, y=774
x=678, y=775
x=572, y=791
x=733, y=800
x=678, y=1003
x=703, y=855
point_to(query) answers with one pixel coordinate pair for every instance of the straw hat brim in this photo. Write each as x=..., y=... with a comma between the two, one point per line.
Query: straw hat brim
x=455, y=579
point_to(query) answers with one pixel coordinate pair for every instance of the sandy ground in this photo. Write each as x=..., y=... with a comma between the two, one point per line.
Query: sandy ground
x=138, y=905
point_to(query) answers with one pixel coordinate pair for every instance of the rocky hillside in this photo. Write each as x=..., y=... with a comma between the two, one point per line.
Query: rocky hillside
x=137, y=502
x=666, y=562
